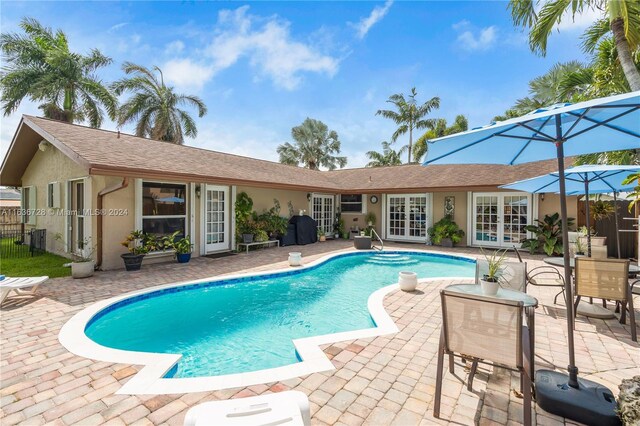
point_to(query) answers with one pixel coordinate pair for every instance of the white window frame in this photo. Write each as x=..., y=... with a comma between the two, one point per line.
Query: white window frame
x=87, y=218
x=138, y=207
x=28, y=204
x=363, y=204
x=53, y=195
x=428, y=213
x=471, y=214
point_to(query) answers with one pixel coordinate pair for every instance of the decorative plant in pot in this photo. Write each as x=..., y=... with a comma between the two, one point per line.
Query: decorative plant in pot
x=580, y=248
x=136, y=243
x=601, y=210
x=445, y=232
x=244, y=223
x=490, y=281
x=83, y=266
x=321, y=236
x=370, y=220
x=182, y=246
x=271, y=222
x=548, y=235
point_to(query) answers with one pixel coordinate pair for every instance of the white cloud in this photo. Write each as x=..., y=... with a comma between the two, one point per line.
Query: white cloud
x=365, y=24
x=471, y=40
x=268, y=45
x=186, y=74
x=116, y=27
x=174, y=47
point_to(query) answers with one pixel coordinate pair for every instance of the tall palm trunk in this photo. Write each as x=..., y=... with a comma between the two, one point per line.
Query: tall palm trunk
x=410, y=143
x=624, y=54
x=67, y=106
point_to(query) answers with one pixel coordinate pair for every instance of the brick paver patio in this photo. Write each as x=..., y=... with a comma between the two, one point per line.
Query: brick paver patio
x=388, y=380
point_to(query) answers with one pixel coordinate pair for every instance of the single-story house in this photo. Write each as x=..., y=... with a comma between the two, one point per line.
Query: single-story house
x=69, y=173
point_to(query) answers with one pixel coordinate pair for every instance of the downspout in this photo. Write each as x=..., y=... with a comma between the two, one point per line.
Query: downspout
x=101, y=194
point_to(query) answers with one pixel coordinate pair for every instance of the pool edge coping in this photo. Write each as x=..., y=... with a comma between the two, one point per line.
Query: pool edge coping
x=150, y=378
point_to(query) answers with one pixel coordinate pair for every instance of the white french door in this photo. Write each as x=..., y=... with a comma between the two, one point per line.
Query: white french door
x=499, y=219
x=322, y=211
x=407, y=217
x=216, y=218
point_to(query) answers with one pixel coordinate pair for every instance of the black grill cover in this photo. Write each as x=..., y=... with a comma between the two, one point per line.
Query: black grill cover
x=289, y=239
x=306, y=230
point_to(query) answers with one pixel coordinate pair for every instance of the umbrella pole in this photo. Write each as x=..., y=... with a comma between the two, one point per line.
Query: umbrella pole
x=615, y=205
x=588, y=214
x=572, y=369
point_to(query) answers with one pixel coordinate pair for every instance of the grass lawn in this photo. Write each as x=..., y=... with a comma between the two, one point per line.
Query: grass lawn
x=44, y=264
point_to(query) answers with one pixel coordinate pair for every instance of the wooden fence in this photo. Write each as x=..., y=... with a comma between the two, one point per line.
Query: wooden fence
x=10, y=219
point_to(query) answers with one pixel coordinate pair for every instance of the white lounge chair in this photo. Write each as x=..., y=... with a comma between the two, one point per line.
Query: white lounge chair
x=283, y=408
x=18, y=285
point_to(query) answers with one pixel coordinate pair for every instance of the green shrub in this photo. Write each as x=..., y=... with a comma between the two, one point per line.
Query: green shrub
x=548, y=235
x=445, y=228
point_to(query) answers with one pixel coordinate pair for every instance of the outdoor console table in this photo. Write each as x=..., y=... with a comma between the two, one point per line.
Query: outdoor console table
x=267, y=243
x=530, y=303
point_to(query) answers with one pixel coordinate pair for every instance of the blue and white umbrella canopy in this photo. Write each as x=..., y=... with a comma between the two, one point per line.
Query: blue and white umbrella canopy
x=581, y=180
x=604, y=124
x=600, y=179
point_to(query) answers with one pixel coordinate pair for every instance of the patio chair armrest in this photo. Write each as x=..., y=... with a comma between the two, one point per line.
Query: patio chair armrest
x=544, y=270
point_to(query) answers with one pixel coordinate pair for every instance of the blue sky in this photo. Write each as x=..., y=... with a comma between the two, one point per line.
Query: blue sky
x=264, y=67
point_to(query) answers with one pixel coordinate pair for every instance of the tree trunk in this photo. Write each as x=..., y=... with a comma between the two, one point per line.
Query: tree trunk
x=67, y=106
x=624, y=54
x=410, y=142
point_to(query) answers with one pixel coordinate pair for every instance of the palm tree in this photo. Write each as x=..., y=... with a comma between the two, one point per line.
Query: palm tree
x=39, y=66
x=460, y=124
x=388, y=157
x=314, y=147
x=548, y=89
x=621, y=20
x=154, y=106
x=409, y=115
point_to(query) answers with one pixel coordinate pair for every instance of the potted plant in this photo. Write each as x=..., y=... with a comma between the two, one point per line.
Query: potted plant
x=370, y=219
x=83, y=265
x=135, y=243
x=580, y=248
x=182, y=246
x=244, y=223
x=321, y=235
x=445, y=232
x=548, y=235
x=595, y=240
x=489, y=281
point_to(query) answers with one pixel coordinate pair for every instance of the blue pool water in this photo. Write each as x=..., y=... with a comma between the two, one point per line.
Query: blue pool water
x=248, y=324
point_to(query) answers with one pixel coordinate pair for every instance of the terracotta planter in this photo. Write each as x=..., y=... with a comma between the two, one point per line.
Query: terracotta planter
x=407, y=280
x=598, y=241
x=82, y=269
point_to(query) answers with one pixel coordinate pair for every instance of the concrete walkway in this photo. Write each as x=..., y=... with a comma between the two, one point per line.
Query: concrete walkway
x=379, y=381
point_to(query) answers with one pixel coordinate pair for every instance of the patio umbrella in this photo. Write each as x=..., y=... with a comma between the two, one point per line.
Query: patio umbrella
x=604, y=124
x=585, y=179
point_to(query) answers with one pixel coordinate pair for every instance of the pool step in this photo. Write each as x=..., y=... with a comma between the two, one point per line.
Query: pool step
x=391, y=259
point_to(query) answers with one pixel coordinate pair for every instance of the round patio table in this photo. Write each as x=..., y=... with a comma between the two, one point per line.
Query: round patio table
x=530, y=303
x=584, y=308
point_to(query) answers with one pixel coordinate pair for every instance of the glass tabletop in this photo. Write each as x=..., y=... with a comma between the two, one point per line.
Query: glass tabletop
x=559, y=261
x=503, y=293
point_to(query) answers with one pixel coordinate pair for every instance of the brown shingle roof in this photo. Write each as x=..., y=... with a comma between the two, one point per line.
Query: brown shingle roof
x=105, y=152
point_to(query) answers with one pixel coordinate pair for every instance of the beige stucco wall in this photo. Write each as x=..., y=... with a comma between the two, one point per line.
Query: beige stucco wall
x=551, y=205
x=119, y=220
x=263, y=199
x=45, y=167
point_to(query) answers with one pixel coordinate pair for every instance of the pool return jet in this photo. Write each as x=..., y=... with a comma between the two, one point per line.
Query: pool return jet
x=604, y=124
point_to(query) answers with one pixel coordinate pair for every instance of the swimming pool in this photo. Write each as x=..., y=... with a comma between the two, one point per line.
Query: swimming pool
x=246, y=325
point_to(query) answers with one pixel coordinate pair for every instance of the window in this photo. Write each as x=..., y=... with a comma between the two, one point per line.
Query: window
x=352, y=203
x=53, y=195
x=164, y=208
x=29, y=205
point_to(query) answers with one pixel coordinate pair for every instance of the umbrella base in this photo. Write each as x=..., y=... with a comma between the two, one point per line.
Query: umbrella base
x=591, y=403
